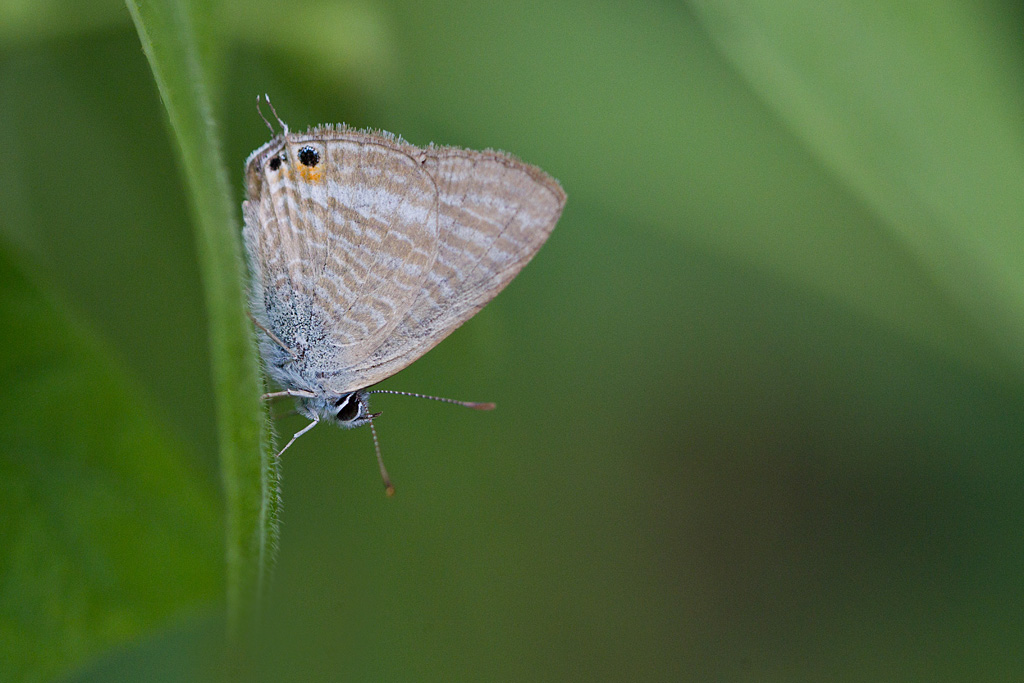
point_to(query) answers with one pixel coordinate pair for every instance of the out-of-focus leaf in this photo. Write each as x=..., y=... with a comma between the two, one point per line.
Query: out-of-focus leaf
x=24, y=22
x=105, y=534
x=917, y=108
x=352, y=41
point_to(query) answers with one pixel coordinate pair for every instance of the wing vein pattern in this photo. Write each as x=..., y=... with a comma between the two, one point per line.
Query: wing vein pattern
x=365, y=260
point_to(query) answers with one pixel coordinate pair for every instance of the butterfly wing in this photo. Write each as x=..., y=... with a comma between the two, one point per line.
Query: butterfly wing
x=340, y=233
x=367, y=259
x=494, y=213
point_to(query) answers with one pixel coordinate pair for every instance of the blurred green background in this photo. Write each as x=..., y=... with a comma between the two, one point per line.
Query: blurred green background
x=760, y=396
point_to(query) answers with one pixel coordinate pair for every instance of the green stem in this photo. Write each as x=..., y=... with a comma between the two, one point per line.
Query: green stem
x=169, y=31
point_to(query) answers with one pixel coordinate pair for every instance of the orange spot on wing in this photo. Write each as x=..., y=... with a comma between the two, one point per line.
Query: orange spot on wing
x=310, y=175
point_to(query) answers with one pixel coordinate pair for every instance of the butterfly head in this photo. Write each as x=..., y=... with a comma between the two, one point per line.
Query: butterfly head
x=347, y=410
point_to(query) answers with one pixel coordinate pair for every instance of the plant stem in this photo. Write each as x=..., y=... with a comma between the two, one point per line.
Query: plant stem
x=182, y=67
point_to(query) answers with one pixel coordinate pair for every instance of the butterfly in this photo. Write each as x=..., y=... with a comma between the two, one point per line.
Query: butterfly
x=366, y=251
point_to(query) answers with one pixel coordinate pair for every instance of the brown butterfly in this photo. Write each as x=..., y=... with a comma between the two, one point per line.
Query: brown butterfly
x=365, y=252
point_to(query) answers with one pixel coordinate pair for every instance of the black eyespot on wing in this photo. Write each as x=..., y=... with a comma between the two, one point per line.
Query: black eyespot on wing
x=275, y=163
x=349, y=411
x=308, y=156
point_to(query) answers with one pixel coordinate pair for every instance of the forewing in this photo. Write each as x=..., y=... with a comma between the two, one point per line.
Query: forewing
x=341, y=247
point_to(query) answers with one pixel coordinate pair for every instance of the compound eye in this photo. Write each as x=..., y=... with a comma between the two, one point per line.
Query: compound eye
x=349, y=410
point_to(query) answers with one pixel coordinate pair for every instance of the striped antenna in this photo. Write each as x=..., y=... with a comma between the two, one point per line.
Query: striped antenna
x=468, y=404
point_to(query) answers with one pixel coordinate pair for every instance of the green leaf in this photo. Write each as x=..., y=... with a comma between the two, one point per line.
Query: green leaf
x=177, y=37
x=105, y=533
x=916, y=107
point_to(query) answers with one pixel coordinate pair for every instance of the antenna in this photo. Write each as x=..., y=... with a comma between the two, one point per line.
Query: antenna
x=389, y=488
x=468, y=404
x=259, y=111
x=284, y=126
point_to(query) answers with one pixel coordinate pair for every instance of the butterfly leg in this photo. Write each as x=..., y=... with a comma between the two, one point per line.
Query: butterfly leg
x=299, y=433
x=273, y=336
x=296, y=393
